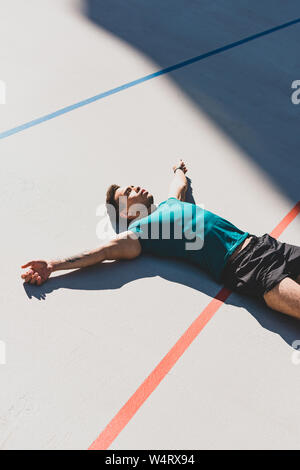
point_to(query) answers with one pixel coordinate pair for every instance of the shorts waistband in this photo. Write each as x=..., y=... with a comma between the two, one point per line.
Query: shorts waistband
x=229, y=267
x=254, y=241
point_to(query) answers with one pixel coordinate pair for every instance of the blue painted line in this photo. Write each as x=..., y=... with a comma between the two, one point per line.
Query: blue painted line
x=113, y=91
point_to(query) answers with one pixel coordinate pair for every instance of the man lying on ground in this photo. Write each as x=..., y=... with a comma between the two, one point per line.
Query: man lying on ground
x=258, y=266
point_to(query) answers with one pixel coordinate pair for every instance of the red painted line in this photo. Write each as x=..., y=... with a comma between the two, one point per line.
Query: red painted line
x=153, y=380
x=122, y=418
x=286, y=221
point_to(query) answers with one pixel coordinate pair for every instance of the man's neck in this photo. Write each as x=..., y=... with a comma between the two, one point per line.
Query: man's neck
x=151, y=209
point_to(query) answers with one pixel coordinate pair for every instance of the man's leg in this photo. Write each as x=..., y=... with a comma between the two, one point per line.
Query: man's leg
x=285, y=297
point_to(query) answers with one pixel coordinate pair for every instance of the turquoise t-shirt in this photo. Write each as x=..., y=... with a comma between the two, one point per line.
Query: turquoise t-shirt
x=187, y=231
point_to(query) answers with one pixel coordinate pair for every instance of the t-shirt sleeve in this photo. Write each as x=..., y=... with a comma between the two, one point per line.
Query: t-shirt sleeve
x=141, y=228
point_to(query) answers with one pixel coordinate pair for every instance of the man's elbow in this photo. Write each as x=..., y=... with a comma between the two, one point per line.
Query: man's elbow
x=122, y=248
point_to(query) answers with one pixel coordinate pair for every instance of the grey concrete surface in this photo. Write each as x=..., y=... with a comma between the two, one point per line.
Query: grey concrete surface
x=79, y=346
x=245, y=90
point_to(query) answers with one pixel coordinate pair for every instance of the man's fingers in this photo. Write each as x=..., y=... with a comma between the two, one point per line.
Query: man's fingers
x=28, y=275
x=34, y=278
x=30, y=272
x=184, y=167
x=27, y=265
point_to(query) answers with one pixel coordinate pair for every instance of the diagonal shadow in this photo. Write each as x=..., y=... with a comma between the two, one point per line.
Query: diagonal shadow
x=246, y=88
x=243, y=63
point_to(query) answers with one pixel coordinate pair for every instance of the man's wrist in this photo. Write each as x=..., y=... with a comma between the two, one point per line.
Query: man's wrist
x=53, y=265
x=178, y=168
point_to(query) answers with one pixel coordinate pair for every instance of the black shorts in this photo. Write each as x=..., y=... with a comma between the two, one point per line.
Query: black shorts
x=262, y=264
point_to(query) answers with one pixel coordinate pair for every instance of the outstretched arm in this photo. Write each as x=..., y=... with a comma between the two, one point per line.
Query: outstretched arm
x=124, y=246
x=179, y=183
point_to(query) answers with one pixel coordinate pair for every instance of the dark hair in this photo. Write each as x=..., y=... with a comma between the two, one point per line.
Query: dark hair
x=110, y=196
x=119, y=225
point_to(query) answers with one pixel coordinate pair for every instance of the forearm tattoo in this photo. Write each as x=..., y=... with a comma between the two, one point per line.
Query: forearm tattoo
x=73, y=259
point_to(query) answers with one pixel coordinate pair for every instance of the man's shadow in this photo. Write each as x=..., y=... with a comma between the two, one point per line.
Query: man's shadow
x=116, y=274
x=113, y=275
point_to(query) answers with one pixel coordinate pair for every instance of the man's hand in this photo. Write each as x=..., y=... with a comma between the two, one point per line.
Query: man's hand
x=179, y=185
x=38, y=272
x=123, y=246
x=180, y=164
